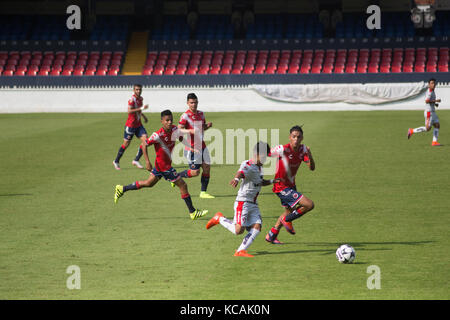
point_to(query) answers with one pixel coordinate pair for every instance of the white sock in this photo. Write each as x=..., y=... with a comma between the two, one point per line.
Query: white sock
x=420, y=129
x=228, y=224
x=435, y=134
x=251, y=235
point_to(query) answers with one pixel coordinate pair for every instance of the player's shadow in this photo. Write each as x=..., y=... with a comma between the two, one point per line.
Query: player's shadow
x=331, y=247
x=15, y=194
x=363, y=244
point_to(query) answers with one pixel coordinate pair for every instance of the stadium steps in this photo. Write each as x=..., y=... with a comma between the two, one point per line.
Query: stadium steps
x=136, y=54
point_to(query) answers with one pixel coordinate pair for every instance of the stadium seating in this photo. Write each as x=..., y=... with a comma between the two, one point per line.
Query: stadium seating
x=60, y=63
x=375, y=60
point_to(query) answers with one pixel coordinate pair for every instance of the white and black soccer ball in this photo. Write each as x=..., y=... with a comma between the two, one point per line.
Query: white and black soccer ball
x=345, y=254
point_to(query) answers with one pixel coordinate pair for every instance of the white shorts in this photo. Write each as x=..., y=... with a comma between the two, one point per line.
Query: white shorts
x=430, y=116
x=195, y=160
x=246, y=214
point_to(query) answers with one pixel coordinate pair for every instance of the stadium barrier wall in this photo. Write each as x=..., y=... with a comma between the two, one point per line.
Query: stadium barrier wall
x=211, y=99
x=215, y=80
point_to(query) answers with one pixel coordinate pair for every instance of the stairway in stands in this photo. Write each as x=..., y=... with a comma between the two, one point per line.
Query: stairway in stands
x=136, y=54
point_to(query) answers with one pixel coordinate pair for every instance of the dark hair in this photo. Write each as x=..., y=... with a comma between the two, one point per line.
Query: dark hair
x=192, y=96
x=432, y=79
x=261, y=148
x=296, y=128
x=137, y=85
x=166, y=113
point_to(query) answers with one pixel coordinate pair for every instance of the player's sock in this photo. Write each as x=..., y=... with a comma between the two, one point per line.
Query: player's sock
x=185, y=174
x=120, y=153
x=435, y=134
x=227, y=224
x=187, y=199
x=273, y=233
x=420, y=129
x=294, y=215
x=139, y=154
x=205, y=181
x=248, y=239
x=133, y=186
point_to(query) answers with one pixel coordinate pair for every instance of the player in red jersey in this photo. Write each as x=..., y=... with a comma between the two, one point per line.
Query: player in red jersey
x=195, y=119
x=133, y=126
x=164, y=141
x=290, y=156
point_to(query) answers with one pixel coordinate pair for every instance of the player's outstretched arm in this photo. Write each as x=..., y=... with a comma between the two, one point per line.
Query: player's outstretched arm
x=271, y=181
x=131, y=110
x=148, y=165
x=238, y=176
x=206, y=126
x=311, y=163
x=144, y=117
x=186, y=144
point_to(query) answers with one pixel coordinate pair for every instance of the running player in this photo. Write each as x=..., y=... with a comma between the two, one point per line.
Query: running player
x=431, y=118
x=296, y=204
x=164, y=142
x=195, y=119
x=246, y=210
x=133, y=126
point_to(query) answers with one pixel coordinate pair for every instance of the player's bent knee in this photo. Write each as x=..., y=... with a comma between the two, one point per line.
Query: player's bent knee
x=239, y=229
x=195, y=173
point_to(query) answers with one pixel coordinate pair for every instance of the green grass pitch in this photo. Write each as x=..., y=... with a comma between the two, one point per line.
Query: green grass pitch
x=387, y=196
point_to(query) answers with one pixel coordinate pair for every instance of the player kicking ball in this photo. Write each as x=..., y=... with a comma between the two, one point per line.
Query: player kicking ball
x=246, y=210
x=164, y=142
x=431, y=118
x=290, y=156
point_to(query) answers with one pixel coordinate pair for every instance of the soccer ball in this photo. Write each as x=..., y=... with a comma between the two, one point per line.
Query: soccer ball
x=345, y=254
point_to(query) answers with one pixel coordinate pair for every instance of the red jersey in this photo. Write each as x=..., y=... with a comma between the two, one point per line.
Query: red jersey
x=192, y=120
x=287, y=165
x=134, y=119
x=164, y=143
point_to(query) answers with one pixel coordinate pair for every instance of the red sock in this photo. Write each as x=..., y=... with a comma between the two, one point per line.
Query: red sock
x=274, y=231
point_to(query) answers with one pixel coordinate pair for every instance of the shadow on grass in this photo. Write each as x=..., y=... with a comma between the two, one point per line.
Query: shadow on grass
x=15, y=194
x=322, y=251
x=362, y=244
x=359, y=246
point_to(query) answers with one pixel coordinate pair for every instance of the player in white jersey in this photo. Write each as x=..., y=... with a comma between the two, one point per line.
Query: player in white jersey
x=246, y=210
x=431, y=118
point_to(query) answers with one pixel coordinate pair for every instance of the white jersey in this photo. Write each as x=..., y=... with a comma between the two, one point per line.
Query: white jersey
x=430, y=95
x=252, y=182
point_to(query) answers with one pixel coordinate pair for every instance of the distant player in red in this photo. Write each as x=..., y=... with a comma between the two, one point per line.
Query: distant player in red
x=164, y=141
x=133, y=126
x=290, y=156
x=195, y=119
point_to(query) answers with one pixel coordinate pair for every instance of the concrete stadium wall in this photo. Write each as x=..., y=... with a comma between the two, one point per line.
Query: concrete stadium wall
x=232, y=99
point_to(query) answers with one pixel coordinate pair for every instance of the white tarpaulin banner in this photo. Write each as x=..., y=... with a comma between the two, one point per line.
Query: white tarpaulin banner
x=370, y=93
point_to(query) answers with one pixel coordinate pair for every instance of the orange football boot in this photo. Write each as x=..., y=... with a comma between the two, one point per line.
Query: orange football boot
x=436, y=144
x=242, y=253
x=214, y=220
x=410, y=132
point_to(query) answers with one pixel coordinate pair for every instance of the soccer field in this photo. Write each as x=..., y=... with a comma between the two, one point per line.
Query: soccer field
x=385, y=195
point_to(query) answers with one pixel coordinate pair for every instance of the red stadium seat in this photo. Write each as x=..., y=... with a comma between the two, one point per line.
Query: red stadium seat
x=101, y=72
x=55, y=72
x=78, y=72
x=89, y=72
x=8, y=72
x=43, y=73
